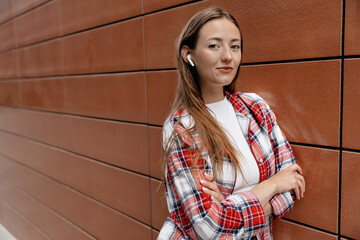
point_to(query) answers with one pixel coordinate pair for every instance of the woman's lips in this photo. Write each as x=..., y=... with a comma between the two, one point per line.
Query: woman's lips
x=225, y=69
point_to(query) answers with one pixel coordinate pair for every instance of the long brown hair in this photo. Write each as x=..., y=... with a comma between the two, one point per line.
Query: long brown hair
x=188, y=95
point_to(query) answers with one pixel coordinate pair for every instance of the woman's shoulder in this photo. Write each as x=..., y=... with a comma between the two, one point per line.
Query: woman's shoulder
x=178, y=123
x=253, y=101
x=181, y=116
x=251, y=97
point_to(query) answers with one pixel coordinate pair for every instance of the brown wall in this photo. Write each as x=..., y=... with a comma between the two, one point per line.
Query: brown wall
x=85, y=87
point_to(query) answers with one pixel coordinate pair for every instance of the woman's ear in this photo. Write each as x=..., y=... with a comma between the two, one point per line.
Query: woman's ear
x=185, y=51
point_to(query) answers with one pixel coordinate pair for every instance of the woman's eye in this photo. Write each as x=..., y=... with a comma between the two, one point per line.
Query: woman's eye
x=213, y=46
x=235, y=47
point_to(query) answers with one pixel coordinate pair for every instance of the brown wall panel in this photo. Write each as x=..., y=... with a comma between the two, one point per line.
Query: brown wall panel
x=284, y=30
x=303, y=112
x=108, y=141
x=159, y=210
x=116, y=47
x=351, y=114
x=318, y=208
x=97, y=180
x=155, y=152
x=52, y=224
x=95, y=218
x=37, y=25
x=43, y=59
x=352, y=27
x=46, y=94
x=350, y=195
x=7, y=36
x=284, y=230
x=161, y=86
x=8, y=64
x=77, y=14
x=24, y=229
x=115, y=96
x=267, y=37
x=153, y=5
x=10, y=93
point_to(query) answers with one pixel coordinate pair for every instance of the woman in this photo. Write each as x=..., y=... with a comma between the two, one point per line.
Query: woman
x=229, y=168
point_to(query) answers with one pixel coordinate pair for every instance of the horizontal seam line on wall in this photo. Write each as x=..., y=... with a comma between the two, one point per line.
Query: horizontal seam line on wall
x=154, y=125
x=155, y=178
x=86, y=74
x=310, y=226
x=300, y=60
x=315, y=146
x=174, y=6
x=350, y=150
x=70, y=187
x=73, y=115
x=346, y=237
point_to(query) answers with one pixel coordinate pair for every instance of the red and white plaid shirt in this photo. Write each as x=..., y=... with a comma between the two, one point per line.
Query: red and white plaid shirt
x=193, y=213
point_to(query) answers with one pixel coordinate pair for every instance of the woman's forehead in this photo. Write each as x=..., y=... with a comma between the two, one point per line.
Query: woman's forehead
x=220, y=28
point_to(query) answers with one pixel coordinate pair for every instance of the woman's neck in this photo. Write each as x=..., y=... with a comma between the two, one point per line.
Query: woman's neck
x=213, y=95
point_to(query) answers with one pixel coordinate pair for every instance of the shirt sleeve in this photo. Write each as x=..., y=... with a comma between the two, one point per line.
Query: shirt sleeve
x=240, y=215
x=284, y=157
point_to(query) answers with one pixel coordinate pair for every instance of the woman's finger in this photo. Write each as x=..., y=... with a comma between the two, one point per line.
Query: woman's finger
x=211, y=185
x=302, y=187
x=208, y=177
x=296, y=167
x=301, y=180
x=212, y=193
x=206, y=184
x=297, y=192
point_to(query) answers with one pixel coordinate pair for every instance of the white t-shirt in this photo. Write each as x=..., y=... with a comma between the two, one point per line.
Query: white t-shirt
x=224, y=113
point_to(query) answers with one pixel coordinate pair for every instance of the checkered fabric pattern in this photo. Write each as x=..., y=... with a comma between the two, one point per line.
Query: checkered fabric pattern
x=193, y=213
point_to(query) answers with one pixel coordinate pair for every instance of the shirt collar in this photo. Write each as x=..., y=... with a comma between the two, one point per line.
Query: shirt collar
x=237, y=102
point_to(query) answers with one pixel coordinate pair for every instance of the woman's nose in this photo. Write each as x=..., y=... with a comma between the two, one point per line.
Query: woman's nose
x=226, y=55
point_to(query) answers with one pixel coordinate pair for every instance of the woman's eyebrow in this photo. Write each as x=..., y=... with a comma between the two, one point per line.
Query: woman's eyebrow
x=220, y=39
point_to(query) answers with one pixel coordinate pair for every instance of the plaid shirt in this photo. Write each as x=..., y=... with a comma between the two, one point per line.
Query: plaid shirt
x=193, y=213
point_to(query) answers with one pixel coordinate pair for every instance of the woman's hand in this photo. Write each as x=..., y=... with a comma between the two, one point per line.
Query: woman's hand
x=283, y=181
x=287, y=179
x=210, y=187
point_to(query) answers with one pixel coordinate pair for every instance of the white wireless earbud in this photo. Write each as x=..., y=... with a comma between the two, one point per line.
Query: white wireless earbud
x=190, y=61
